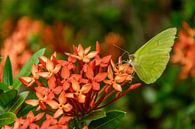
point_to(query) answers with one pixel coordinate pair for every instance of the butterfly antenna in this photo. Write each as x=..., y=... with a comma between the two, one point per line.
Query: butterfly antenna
x=120, y=48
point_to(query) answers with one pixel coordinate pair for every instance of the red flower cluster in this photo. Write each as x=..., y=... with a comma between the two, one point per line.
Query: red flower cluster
x=184, y=51
x=30, y=122
x=76, y=86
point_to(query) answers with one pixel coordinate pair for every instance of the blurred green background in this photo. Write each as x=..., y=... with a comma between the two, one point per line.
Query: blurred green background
x=58, y=24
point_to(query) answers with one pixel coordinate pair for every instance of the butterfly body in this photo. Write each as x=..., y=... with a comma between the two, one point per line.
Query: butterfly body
x=151, y=59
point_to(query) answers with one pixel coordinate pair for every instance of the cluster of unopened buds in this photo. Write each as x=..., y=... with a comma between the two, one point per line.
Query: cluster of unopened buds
x=66, y=89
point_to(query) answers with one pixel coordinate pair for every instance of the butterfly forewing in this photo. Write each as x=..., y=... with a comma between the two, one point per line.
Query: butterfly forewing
x=151, y=59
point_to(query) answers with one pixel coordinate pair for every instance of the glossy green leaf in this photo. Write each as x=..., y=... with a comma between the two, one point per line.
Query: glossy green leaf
x=95, y=115
x=26, y=69
x=7, y=118
x=111, y=121
x=7, y=97
x=4, y=87
x=7, y=72
x=18, y=102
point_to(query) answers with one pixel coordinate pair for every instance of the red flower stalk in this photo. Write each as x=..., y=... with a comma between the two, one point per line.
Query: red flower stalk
x=184, y=51
x=79, y=85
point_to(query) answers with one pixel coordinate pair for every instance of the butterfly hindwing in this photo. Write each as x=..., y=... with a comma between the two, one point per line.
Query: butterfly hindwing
x=151, y=59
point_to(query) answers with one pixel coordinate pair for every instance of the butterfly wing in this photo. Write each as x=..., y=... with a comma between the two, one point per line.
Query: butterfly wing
x=151, y=59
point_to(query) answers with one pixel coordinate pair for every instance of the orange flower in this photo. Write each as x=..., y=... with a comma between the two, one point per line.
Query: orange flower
x=28, y=81
x=83, y=54
x=51, y=69
x=50, y=121
x=80, y=91
x=104, y=61
x=43, y=96
x=184, y=51
x=114, y=81
x=61, y=105
x=95, y=79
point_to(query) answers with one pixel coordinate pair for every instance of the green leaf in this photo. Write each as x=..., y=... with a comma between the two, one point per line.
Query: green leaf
x=26, y=69
x=7, y=118
x=7, y=72
x=95, y=115
x=111, y=121
x=25, y=108
x=18, y=102
x=2, y=110
x=7, y=97
x=75, y=124
x=4, y=87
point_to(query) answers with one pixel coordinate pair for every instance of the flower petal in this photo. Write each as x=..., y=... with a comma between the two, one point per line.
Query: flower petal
x=57, y=68
x=44, y=74
x=30, y=115
x=134, y=86
x=86, y=88
x=97, y=47
x=108, y=82
x=64, y=119
x=96, y=86
x=75, y=85
x=89, y=72
x=92, y=54
x=43, y=60
x=106, y=59
x=81, y=98
x=65, y=72
x=49, y=65
x=39, y=116
x=53, y=56
x=66, y=85
x=117, y=87
x=100, y=76
x=35, y=71
x=53, y=104
x=110, y=73
x=70, y=95
x=28, y=81
x=120, y=78
x=80, y=50
x=57, y=90
x=62, y=98
x=87, y=50
x=67, y=107
x=33, y=126
x=52, y=82
x=85, y=59
x=58, y=113
x=32, y=102
x=113, y=66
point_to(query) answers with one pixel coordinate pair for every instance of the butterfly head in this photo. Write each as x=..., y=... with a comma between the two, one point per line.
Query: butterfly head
x=131, y=59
